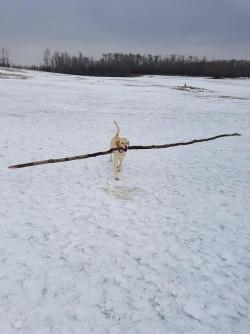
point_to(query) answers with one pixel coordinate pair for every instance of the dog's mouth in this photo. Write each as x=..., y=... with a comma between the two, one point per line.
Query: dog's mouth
x=123, y=149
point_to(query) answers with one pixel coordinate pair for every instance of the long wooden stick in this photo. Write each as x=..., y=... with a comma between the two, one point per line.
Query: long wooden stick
x=85, y=156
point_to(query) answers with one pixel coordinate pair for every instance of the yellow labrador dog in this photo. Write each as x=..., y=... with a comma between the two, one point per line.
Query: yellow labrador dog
x=119, y=155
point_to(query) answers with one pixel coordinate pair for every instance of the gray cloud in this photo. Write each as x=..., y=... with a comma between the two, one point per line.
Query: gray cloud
x=214, y=28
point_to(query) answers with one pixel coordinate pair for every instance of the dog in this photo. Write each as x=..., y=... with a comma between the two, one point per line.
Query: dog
x=119, y=155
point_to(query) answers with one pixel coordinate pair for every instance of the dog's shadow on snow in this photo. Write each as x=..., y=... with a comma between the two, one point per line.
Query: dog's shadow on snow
x=123, y=192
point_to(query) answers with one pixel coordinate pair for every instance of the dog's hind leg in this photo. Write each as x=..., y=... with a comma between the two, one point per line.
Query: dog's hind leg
x=111, y=154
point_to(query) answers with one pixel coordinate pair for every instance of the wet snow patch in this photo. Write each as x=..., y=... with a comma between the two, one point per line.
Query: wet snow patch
x=123, y=192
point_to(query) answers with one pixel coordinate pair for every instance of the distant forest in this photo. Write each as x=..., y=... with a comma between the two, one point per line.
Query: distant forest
x=121, y=64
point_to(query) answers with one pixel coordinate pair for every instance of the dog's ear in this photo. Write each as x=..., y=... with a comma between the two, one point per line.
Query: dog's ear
x=117, y=143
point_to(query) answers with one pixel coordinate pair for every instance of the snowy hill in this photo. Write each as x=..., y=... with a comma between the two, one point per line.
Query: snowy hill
x=166, y=249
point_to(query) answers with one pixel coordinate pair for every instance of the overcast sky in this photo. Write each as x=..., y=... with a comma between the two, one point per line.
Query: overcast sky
x=212, y=28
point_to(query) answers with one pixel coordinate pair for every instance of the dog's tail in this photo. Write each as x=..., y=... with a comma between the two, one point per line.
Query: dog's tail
x=118, y=129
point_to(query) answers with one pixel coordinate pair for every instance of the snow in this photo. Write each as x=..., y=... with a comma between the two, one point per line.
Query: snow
x=166, y=249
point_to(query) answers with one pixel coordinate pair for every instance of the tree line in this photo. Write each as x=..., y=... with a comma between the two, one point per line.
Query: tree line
x=122, y=64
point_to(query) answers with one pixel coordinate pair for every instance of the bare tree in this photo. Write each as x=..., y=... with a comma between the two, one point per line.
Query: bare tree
x=4, y=57
x=46, y=58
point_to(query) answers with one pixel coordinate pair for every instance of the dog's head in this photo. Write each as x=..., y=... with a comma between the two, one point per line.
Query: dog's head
x=122, y=143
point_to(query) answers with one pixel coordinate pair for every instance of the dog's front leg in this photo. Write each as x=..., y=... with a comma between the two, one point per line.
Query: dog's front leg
x=120, y=166
x=116, y=168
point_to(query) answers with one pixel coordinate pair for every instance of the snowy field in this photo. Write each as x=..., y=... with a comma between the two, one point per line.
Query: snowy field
x=164, y=250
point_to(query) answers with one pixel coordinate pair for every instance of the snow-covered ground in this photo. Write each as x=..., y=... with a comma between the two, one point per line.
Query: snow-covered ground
x=164, y=250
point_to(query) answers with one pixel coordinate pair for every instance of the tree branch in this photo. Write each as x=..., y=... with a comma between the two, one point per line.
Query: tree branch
x=91, y=155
